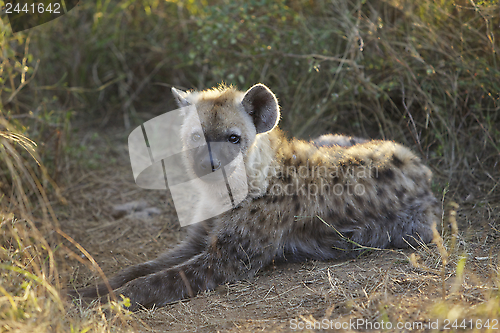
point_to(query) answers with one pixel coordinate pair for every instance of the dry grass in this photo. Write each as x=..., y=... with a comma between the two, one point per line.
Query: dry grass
x=32, y=253
x=415, y=285
x=423, y=73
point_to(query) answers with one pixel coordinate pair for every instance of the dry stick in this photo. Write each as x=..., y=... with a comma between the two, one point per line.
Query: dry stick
x=360, y=247
x=94, y=263
x=454, y=227
x=322, y=57
x=24, y=82
x=415, y=135
x=444, y=258
x=80, y=89
x=186, y=283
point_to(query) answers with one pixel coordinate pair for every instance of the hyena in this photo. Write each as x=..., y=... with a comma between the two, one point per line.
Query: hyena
x=337, y=140
x=319, y=200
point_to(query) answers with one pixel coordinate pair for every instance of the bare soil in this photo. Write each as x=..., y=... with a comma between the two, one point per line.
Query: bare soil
x=378, y=285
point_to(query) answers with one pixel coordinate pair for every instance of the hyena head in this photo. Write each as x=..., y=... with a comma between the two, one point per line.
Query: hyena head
x=222, y=123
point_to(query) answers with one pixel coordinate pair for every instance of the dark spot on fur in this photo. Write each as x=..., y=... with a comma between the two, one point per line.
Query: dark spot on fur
x=253, y=211
x=353, y=162
x=380, y=192
x=332, y=214
x=400, y=192
x=348, y=234
x=349, y=212
x=299, y=160
x=275, y=199
x=297, y=207
x=370, y=204
x=422, y=194
x=359, y=200
x=245, y=243
x=293, y=157
x=396, y=161
x=295, y=198
x=342, y=222
x=385, y=175
x=223, y=239
x=336, y=201
x=369, y=215
x=391, y=216
x=321, y=199
x=420, y=180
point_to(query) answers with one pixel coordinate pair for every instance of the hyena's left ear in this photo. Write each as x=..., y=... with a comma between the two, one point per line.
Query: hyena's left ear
x=180, y=97
x=261, y=104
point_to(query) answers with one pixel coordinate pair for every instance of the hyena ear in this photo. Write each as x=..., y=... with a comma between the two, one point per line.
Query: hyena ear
x=261, y=104
x=180, y=97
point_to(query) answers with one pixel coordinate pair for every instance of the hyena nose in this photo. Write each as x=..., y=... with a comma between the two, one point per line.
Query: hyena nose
x=215, y=165
x=210, y=164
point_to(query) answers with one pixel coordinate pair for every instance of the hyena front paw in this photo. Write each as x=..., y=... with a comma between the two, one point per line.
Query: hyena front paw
x=166, y=286
x=148, y=291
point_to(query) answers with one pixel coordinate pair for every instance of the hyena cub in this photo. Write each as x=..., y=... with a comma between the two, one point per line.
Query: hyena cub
x=318, y=200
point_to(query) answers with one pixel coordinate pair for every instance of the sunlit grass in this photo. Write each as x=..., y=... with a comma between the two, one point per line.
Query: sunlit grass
x=424, y=73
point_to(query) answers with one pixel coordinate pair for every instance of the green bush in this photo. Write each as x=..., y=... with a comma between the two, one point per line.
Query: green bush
x=422, y=73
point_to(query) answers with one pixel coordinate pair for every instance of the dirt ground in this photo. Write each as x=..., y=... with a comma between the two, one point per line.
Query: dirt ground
x=378, y=286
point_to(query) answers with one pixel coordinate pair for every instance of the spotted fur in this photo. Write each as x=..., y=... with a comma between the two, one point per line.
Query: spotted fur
x=318, y=200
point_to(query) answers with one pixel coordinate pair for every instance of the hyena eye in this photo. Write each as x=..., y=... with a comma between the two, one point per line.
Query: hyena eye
x=195, y=137
x=234, y=138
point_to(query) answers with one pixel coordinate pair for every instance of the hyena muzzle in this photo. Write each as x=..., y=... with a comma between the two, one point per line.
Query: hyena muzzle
x=319, y=200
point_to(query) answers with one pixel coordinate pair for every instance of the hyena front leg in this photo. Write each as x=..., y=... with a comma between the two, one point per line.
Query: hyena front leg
x=194, y=244
x=230, y=255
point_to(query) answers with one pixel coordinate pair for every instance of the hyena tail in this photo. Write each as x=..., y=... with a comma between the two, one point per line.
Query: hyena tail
x=193, y=245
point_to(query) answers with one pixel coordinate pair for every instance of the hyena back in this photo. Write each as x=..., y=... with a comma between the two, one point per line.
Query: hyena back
x=316, y=200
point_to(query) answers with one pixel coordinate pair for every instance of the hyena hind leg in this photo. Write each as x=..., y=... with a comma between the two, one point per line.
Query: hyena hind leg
x=194, y=244
x=409, y=227
x=413, y=226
